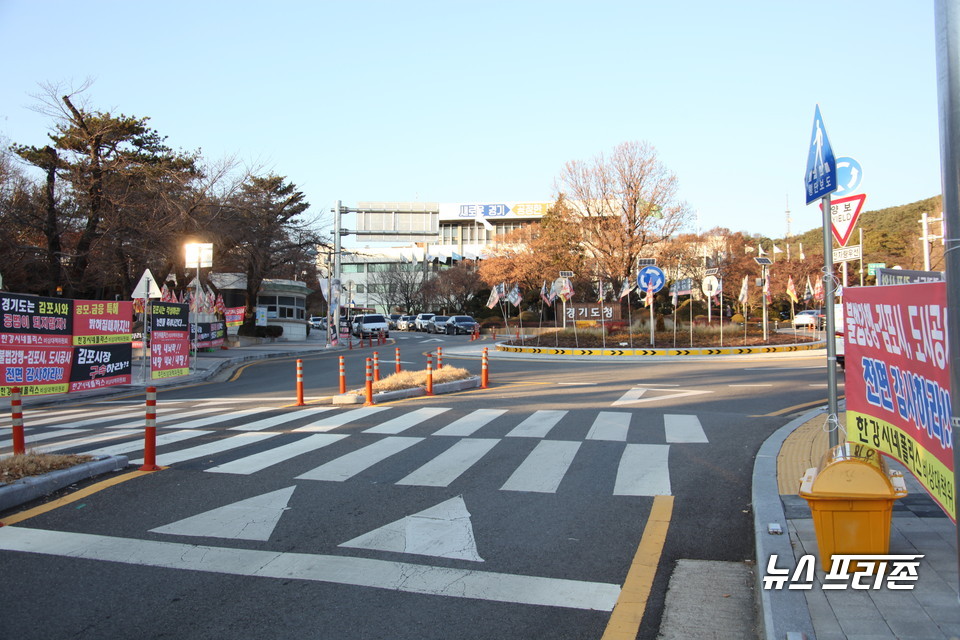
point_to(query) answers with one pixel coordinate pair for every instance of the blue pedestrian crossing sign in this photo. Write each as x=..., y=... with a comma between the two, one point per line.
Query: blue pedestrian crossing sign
x=652, y=277
x=821, y=175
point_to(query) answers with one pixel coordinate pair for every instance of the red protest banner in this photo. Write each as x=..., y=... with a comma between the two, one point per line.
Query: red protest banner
x=898, y=380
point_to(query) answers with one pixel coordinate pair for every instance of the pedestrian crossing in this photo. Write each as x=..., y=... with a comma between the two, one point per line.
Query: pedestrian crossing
x=540, y=447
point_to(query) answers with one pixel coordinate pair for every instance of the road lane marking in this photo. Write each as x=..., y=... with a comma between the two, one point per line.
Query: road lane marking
x=470, y=423
x=350, y=464
x=610, y=425
x=537, y=424
x=210, y=448
x=544, y=468
x=361, y=572
x=624, y=623
x=406, y=421
x=451, y=464
x=683, y=429
x=259, y=461
x=250, y=519
x=643, y=471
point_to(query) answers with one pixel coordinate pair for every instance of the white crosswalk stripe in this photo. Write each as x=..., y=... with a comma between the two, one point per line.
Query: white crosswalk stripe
x=270, y=457
x=340, y=419
x=642, y=469
x=470, y=423
x=610, y=425
x=545, y=467
x=537, y=425
x=406, y=421
x=210, y=448
x=349, y=465
x=451, y=464
x=680, y=428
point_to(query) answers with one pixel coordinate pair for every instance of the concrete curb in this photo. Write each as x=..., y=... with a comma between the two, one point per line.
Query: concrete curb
x=27, y=489
x=784, y=612
x=621, y=352
x=387, y=396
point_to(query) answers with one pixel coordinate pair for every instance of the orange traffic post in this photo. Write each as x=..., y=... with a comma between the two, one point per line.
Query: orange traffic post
x=484, y=371
x=397, y=350
x=300, y=402
x=16, y=413
x=369, y=385
x=439, y=358
x=343, y=376
x=376, y=366
x=150, y=433
x=429, y=376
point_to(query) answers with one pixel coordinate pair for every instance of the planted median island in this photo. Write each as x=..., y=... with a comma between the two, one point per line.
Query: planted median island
x=666, y=336
x=413, y=379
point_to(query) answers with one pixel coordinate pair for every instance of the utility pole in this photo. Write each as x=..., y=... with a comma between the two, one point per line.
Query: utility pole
x=926, y=238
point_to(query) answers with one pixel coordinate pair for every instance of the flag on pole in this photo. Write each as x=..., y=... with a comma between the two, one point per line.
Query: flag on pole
x=543, y=293
x=808, y=292
x=766, y=290
x=673, y=295
x=760, y=251
x=600, y=292
x=743, y=291
x=792, y=290
x=627, y=287
x=818, y=290
x=649, y=299
x=514, y=296
x=494, y=297
x=566, y=290
x=777, y=249
x=748, y=249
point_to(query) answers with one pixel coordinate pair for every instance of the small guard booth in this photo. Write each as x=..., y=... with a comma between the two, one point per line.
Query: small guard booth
x=851, y=498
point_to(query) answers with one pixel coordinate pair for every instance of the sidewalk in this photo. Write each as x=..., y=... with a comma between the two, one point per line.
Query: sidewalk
x=930, y=611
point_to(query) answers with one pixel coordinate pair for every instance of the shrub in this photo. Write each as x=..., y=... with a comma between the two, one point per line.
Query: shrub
x=737, y=318
x=491, y=323
x=529, y=316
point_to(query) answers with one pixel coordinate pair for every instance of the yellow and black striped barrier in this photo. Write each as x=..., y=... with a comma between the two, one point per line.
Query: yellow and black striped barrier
x=693, y=351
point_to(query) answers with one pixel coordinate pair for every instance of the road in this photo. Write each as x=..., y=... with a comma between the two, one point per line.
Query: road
x=513, y=512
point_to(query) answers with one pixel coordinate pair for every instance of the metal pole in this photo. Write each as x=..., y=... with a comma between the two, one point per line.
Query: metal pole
x=861, y=257
x=947, y=27
x=333, y=324
x=763, y=299
x=828, y=284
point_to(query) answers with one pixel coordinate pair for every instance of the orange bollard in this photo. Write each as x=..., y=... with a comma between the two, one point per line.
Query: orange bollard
x=16, y=413
x=376, y=367
x=484, y=371
x=429, y=376
x=343, y=376
x=300, y=401
x=150, y=433
x=369, y=385
x=439, y=358
x=398, y=359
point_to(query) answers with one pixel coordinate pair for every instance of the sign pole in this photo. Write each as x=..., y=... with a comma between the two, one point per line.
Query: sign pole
x=828, y=283
x=947, y=28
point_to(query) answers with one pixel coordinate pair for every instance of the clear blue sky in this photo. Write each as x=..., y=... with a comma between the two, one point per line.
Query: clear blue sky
x=453, y=101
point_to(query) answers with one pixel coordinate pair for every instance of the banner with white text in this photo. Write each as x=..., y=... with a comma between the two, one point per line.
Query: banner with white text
x=898, y=380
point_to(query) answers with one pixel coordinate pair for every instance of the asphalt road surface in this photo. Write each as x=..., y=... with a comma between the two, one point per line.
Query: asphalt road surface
x=513, y=512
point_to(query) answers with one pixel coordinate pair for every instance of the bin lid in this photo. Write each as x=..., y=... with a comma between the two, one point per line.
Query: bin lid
x=851, y=471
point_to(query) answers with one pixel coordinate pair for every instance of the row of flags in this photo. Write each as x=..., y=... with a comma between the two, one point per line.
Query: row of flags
x=811, y=292
x=775, y=250
x=200, y=301
x=562, y=288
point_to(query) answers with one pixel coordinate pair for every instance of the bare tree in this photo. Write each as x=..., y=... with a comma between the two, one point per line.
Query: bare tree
x=627, y=202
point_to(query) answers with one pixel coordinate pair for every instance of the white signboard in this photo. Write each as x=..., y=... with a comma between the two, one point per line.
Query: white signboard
x=492, y=210
x=845, y=254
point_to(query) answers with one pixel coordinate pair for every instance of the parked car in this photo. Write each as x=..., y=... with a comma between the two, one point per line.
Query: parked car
x=460, y=324
x=370, y=324
x=810, y=318
x=392, y=320
x=420, y=323
x=405, y=323
x=436, y=324
x=318, y=322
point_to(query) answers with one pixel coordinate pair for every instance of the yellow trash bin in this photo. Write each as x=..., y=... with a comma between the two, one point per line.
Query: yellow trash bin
x=851, y=499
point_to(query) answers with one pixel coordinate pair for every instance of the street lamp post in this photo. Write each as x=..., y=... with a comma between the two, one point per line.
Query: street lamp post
x=197, y=254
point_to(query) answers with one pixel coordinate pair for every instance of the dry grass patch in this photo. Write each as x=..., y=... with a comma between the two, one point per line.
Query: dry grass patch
x=414, y=379
x=14, y=468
